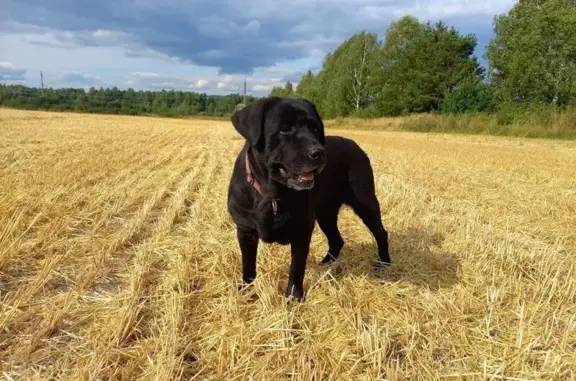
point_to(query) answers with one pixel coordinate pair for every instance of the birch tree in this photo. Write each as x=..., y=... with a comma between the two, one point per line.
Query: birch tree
x=361, y=68
x=345, y=84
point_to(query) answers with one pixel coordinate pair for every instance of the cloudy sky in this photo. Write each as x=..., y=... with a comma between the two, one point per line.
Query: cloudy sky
x=200, y=45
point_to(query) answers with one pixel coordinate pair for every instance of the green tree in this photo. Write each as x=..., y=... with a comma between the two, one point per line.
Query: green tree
x=306, y=87
x=532, y=57
x=346, y=82
x=286, y=91
x=401, y=47
x=470, y=95
x=422, y=63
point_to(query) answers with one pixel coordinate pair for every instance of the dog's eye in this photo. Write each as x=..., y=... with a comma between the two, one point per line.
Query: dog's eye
x=286, y=129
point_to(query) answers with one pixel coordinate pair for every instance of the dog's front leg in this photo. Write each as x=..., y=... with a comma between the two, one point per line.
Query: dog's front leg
x=299, y=250
x=248, y=241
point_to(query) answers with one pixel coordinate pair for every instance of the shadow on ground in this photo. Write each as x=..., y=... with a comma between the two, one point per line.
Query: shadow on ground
x=416, y=254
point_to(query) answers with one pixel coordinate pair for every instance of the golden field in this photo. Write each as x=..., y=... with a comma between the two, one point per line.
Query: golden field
x=118, y=260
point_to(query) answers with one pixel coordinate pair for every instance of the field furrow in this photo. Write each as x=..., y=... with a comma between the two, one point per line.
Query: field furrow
x=130, y=323
x=62, y=275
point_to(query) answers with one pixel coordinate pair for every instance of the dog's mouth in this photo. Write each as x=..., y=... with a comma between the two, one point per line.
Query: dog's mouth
x=305, y=176
x=300, y=180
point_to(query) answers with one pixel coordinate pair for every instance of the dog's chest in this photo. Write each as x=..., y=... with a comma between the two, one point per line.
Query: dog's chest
x=278, y=225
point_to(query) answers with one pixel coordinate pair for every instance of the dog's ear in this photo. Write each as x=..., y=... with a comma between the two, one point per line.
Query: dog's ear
x=317, y=114
x=249, y=120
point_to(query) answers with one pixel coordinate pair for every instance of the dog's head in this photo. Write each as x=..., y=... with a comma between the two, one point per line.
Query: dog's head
x=287, y=135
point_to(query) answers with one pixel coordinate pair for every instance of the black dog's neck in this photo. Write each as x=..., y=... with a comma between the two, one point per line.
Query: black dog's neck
x=257, y=167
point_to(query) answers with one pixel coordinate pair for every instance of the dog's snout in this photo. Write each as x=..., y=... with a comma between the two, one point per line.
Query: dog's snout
x=316, y=153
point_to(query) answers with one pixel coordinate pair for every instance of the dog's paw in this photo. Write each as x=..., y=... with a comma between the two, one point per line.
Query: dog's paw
x=246, y=289
x=328, y=260
x=244, y=286
x=295, y=299
x=295, y=293
x=381, y=265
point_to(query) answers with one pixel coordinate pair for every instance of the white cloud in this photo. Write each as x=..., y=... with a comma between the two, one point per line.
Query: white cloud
x=277, y=70
x=228, y=86
x=253, y=26
x=165, y=85
x=7, y=65
x=11, y=74
x=201, y=84
x=218, y=84
x=265, y=88
x=104, y=33
x=146, y=74
x=317, y=54
x=434, y=9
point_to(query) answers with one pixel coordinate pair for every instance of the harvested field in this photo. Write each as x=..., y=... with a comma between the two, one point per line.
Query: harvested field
x=118, y=260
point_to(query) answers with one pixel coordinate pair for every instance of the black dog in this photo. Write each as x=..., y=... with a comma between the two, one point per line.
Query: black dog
x=290, y=174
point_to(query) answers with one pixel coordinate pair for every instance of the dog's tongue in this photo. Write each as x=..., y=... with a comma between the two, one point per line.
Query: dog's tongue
x=307, y=176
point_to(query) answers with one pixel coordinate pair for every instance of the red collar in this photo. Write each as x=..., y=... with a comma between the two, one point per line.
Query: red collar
x=252, y=180
x=249, y=177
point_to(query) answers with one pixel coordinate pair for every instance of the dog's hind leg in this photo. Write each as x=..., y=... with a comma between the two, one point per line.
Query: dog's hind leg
x=365, y=204
x=327, y=219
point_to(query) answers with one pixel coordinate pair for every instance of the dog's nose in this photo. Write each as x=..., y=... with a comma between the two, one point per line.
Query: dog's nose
x=316, y=153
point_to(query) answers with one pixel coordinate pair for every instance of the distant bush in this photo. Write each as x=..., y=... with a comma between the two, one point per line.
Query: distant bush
x=471, y=95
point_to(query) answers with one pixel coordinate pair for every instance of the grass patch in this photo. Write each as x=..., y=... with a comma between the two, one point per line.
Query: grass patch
x=530, y=124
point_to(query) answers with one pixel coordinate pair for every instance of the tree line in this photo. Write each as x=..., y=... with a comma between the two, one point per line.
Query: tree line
x=116, y=101
x=417, y=68
x=424, y=67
